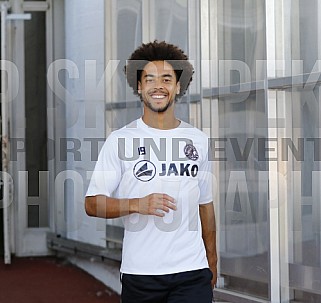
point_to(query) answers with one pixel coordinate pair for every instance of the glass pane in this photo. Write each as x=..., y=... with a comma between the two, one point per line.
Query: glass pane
x=301, y=219
x=241, y=40
x=170, y=22
x=36, y=120
x=122, y=116
x=305, y=44
x=244, y=231
x=129, y=37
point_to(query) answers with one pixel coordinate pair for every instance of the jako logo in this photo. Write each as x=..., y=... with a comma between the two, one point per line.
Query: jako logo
x=144, y=170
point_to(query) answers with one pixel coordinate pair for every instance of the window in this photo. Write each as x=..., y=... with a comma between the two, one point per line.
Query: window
x=254, y=94
x=300, y=217
x=237, y=56
x=244, y=232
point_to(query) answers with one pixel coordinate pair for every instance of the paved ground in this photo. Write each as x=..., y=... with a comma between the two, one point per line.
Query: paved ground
x=50, y=280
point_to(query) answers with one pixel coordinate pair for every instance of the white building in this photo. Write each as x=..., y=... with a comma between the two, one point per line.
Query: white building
x=256, y=92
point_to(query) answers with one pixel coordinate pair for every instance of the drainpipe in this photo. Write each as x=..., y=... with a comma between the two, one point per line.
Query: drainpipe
x=5, y=141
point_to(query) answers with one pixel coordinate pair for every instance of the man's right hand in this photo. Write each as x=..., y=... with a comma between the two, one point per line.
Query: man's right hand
x=155, y=204
x=106, y=207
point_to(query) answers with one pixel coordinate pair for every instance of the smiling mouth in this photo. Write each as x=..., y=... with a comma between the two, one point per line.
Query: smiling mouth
x=158, y=97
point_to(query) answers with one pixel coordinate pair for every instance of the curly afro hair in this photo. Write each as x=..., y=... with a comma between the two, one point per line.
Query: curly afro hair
x=159, y=51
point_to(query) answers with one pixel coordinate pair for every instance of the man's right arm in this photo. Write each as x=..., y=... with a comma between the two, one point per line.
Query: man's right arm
x=106, y=207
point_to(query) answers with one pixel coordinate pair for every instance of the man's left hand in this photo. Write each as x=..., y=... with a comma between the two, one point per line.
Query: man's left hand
x=214, y=272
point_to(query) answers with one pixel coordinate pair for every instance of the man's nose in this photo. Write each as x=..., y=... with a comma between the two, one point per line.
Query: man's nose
x=159, y=83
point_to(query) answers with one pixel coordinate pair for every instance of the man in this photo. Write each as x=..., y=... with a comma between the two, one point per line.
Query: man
x=155, y=174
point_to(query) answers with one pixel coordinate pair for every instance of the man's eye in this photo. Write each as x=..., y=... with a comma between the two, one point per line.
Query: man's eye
x=167, y=80
x=149, y=80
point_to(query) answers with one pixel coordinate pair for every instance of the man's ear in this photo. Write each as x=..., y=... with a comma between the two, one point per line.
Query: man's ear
x=178, y=88
x=139, y=87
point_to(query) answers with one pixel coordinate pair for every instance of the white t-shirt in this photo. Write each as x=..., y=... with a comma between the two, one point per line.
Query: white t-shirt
x=138, y=160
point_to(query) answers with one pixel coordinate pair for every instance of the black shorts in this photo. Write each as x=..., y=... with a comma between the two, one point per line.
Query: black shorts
x=185, y=287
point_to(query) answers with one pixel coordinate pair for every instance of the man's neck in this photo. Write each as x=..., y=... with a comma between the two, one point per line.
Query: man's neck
x=161, y=120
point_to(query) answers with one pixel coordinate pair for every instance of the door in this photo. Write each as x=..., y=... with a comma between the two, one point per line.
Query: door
x=30, y=50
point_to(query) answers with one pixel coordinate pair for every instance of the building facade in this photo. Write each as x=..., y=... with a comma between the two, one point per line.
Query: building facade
x=255, y=92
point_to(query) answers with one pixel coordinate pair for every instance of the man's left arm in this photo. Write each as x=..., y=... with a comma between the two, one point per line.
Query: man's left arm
x=209, y=236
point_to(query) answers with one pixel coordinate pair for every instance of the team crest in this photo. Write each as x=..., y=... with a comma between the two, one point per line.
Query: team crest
x=191, y=152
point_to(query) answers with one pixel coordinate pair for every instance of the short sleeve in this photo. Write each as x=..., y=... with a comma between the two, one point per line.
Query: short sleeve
x=107, y=173
x=206, y=179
